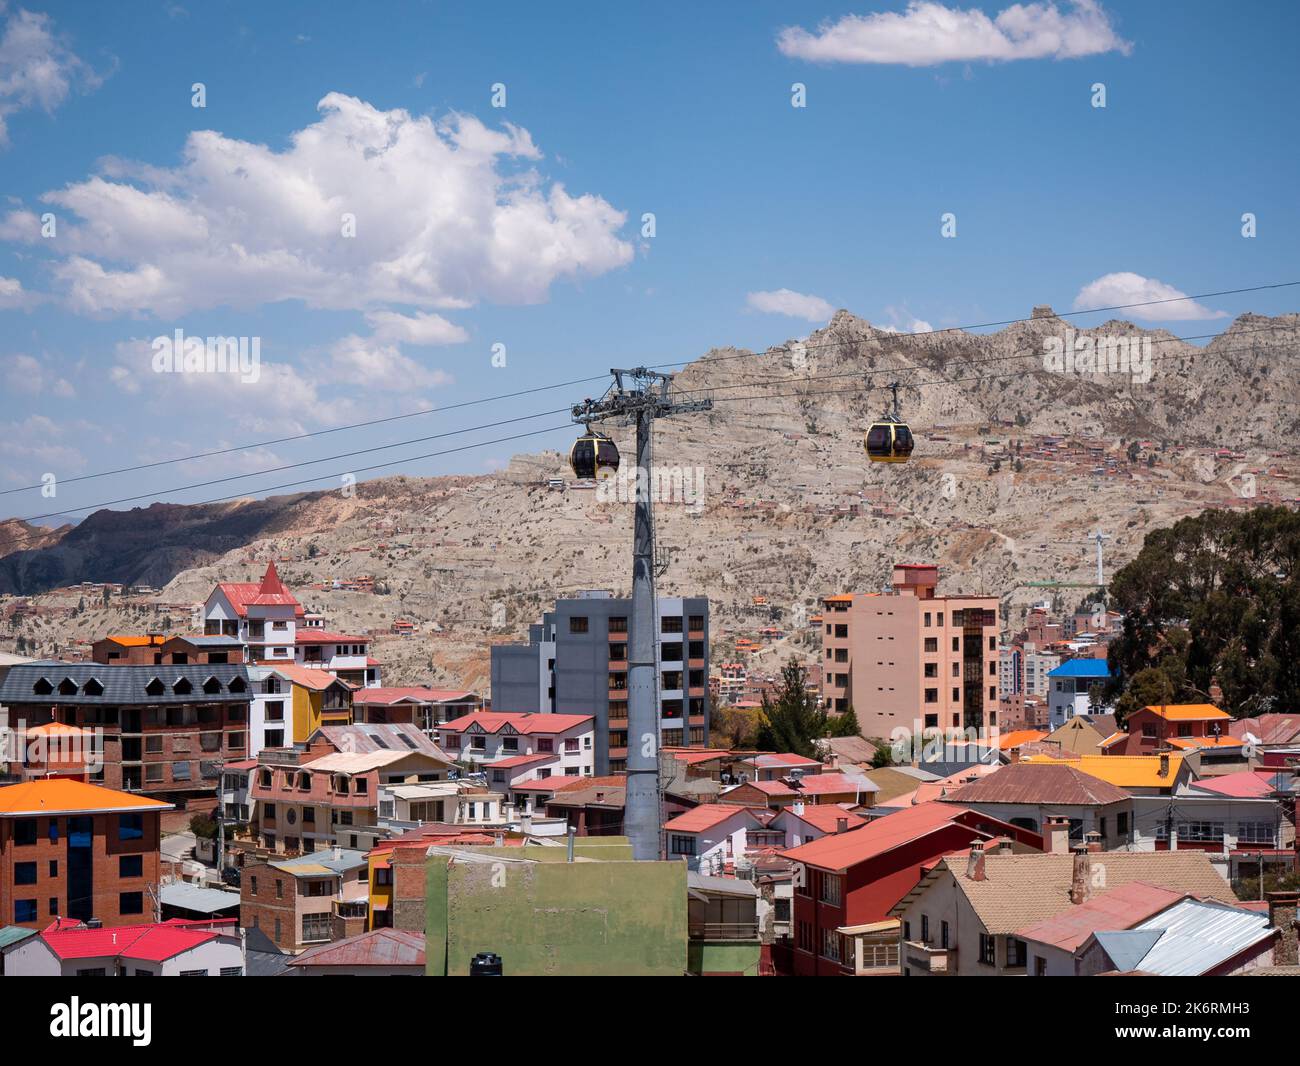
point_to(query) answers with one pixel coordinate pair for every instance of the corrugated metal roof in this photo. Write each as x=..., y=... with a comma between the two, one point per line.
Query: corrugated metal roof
x=1055, y=783
x=197, y=898
x=379, y=947
x=1199, y=935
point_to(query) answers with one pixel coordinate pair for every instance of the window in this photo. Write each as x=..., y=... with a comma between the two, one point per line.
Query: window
x=24, y=873
x=231, y=971
x=1121, y=823
x=682, y=845
x=931, y=669
x=54, y=867
x=618, y=624
x=696, y=621
x=194, y=973
x=545, y=745
x=1017, y=953
x=25, y=832
x=130, y=903
x=987, y=950
x=578, y=624
x=670, y=623
x=932, y=695
x=571, y=746
x=943, y=934
x=130, y=827
x=24, y=910
x=1201, y=832
x=832, y=890
x=1255, y=833
x=130, y=866
x=925, y=920
x=831, y=945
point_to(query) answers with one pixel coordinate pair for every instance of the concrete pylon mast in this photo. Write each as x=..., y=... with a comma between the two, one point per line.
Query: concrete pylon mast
x=637, y=398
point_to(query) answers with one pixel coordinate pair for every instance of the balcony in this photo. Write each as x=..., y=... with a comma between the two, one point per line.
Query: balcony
x=723, y=930
x=929, y=958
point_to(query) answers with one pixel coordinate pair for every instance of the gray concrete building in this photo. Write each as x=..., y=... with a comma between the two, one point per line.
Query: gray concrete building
x=575, y=662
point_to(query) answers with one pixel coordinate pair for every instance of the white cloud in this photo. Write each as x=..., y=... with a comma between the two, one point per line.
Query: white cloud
x=927, y=34
x=11, y=294
x=24, y=374
x=1116, y=290
x=380, y=366
x=794, y=304
x=919, y=325
x=36, y=68
x=444, y=218
x=421, y=328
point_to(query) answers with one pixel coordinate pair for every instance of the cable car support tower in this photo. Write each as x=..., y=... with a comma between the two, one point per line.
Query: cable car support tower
x=636, y=398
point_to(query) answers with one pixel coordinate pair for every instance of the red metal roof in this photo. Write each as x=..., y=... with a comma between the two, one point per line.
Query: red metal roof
x=242, y=593
x=520, y=760
x=705, y=817
x=390, y=696
x=379, y=947
x=1121, y=907
x=842, y=850
x=150, y=943
x=493, y=721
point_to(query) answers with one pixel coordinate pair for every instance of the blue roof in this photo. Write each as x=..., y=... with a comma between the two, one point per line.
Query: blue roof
x=1082, y=668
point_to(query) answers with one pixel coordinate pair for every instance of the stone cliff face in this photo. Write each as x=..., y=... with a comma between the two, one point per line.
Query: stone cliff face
x=788, y=507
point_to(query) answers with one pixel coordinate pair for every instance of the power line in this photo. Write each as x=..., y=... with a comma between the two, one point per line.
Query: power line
x=765, y=382
x=340, y=473
x=601, y=377
x=317, y=433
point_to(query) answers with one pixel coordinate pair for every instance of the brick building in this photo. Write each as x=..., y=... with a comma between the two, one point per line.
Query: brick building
x=306, y=900
x=161, y=730
x=69, y=849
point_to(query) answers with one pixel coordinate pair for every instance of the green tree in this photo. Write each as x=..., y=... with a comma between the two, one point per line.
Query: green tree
x=792, y=722
x=844, y=725
x=884, y=757
x=1150, y=688
x=1215, y=599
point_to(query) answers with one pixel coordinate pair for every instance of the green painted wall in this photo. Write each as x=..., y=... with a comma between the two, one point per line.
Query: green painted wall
x=557, y=918
x=716, y=956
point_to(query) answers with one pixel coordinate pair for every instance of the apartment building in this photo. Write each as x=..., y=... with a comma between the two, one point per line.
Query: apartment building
x=908, y=656
x=156, y=649
x=69, y=849
x=425, y=708
x=1071, y=686
x=575, y=662
x=158, y=730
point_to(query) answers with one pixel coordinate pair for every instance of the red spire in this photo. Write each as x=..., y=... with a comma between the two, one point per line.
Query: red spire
x=271, y=583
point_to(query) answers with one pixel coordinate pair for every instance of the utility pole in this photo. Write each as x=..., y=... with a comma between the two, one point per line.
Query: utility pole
x=221, y=809
x=637, y=398
x=1099, y=536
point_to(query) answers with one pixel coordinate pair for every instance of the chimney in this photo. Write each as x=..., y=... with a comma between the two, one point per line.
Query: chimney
x=796, y=808
x=1056, y=836
x=841, y=825
x=338, y=853
x=975, y=864
x=1164, y=764
x=1000, y=846
x=1081, y=882
x=1282, y=917
x=1093, y=840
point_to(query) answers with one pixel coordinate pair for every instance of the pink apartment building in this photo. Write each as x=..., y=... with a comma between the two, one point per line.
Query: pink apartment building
x=908, y=656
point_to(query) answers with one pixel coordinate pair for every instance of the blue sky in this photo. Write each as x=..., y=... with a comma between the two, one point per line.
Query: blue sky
x=521, y=225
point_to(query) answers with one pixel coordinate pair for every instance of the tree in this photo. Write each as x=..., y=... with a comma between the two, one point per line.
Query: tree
x=844, y=725
x=1150, y=688
x=884, y=757
x=792, y=722
x=1215, y=599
